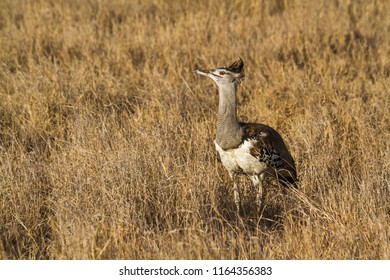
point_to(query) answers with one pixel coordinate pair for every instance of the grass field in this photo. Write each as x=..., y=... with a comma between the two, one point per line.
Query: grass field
x=106, y=134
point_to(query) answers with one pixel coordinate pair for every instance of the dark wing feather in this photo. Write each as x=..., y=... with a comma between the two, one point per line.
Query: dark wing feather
x=269, y=147
x=263, y=149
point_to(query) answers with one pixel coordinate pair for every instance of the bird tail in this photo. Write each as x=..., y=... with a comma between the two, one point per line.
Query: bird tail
x=288, y=177
x=289, y=181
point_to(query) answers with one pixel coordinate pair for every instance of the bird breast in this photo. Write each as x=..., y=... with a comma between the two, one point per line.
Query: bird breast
x=240, y=160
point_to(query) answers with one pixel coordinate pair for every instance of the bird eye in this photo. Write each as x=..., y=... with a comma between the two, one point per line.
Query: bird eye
x=221, y=72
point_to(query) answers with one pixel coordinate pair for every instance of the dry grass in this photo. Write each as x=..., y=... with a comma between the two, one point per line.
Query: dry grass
x=106, y=134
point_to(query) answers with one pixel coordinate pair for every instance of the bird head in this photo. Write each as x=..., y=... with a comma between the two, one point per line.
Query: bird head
x=232, y=74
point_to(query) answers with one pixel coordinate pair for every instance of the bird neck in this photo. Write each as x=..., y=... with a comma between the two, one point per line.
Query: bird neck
x=229, y=134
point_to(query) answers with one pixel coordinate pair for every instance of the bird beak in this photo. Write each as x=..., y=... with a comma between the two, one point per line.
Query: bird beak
x=203, y=72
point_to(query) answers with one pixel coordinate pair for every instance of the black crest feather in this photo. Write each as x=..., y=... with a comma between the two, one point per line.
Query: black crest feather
x=236, y=67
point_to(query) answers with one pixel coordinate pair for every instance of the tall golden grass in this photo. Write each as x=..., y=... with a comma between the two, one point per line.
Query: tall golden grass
x=106, y=135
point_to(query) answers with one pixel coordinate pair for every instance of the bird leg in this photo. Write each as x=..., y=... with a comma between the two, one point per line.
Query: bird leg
x=259, y=196
x=258, y=183
x=236, y=195
x=236, y=190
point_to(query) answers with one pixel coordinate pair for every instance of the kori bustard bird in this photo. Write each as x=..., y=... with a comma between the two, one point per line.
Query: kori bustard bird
x=251, y=149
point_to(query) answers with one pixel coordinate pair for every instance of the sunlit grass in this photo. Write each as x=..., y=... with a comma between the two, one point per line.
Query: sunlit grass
x=106, y=135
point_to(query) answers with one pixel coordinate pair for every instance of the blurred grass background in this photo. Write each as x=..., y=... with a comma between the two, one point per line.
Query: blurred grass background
x=106, y=135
